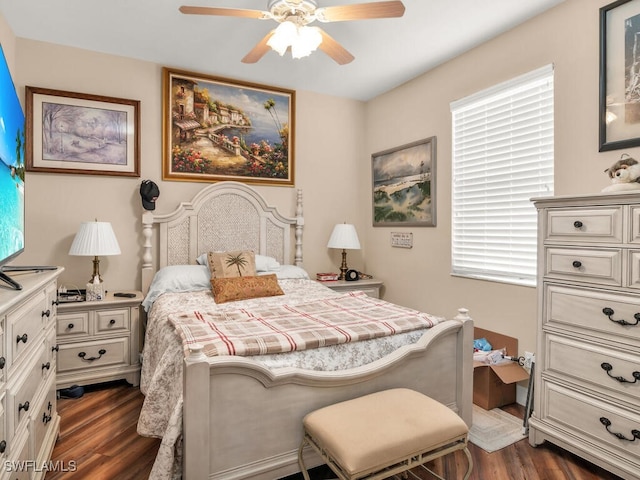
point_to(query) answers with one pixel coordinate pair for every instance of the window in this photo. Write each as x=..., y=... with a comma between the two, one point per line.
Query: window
x=502, y=157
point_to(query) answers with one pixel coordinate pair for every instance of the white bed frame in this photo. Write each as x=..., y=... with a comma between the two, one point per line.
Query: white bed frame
x=244, y=421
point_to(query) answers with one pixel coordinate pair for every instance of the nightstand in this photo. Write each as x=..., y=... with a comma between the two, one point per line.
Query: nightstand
x=370, y=286
x=99, y=341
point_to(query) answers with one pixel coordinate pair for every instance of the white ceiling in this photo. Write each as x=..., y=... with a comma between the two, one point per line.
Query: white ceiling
x=388, y=52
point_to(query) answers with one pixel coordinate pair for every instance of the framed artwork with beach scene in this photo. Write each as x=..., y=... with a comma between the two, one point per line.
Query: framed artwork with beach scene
x=404, y=185
x=68, y=132
x=219, y=129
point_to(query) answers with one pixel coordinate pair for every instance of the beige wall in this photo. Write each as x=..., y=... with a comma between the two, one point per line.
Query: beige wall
x=566, y=36
x=329, y=136
x=334, y=140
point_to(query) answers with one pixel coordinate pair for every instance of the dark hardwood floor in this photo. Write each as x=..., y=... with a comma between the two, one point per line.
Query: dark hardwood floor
x=98, y=439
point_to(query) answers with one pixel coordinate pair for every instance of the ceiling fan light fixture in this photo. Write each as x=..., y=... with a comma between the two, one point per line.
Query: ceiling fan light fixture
x=302, y=40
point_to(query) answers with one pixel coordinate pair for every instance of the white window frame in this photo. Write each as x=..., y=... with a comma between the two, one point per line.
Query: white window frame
x=502, y=156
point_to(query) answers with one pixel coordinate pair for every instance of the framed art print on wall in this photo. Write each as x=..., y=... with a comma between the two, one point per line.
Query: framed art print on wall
x=219, y=129
x=404, y=185
x=69, y=132
x=619, y=118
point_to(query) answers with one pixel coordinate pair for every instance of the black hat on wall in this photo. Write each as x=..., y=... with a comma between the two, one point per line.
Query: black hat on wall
x=149, y=192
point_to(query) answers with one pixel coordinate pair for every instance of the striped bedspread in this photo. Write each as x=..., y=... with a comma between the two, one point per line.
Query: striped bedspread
x=269, y=329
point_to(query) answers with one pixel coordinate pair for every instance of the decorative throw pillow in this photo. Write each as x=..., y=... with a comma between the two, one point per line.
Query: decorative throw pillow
x=231, y=289
x=237, y=263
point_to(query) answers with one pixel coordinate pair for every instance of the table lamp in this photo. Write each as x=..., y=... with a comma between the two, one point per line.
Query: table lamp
x=344, y=236
x=92, y=240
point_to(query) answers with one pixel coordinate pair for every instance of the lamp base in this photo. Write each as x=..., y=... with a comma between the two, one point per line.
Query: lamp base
x=343, y=267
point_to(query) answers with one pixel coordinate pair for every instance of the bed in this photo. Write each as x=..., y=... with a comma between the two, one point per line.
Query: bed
x=239, y=417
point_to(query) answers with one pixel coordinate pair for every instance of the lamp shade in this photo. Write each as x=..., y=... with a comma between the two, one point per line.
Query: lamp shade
x=95, y=239
x=344, y=236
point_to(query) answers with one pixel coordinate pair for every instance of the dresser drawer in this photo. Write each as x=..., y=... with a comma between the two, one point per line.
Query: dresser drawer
x=634, y=269
x=635, y=224
x=25, y=324
x=594, y=313
x=108, y=321
x=71, y=325
x=581, y=416
x=43, y=420
x=601, y=225
x=602, y=266
x=594, y=365
x=21, y=398
x=88, y=355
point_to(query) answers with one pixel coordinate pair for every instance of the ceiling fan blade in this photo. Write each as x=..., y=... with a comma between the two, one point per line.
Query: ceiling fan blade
x=361, y=11
x=336, y=51
x=259, y=50
x=225, y=12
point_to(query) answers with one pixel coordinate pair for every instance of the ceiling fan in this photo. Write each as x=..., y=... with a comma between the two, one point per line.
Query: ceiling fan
x=294, y=16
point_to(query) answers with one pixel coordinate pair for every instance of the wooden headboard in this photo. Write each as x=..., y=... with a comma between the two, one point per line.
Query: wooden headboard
x=222, y=216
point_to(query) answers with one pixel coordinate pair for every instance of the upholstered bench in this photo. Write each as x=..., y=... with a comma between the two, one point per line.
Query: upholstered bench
x=379, y=435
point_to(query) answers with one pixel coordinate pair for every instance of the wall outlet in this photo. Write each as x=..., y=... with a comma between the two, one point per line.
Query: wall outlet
x=529, y=359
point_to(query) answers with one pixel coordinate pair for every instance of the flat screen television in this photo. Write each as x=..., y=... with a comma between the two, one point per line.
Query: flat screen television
x=12, y=212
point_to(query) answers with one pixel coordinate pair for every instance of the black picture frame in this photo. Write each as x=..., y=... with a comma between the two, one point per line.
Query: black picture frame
x=619, y=112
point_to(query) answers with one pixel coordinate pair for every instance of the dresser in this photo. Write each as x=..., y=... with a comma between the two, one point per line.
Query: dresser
x=29, y=422
x=99, y=341
x=587, y=382
x=370, y=286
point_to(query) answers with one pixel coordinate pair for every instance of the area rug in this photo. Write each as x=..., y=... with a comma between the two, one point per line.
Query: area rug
x=494, y=429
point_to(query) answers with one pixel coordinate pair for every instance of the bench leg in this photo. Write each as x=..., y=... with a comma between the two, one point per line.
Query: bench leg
x=468, y=454
x=303, y=469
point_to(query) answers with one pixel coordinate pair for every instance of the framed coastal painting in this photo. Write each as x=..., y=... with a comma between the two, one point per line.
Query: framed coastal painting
x=619, y=115
x=220, y=129
x=404, y=185
x=68, y=132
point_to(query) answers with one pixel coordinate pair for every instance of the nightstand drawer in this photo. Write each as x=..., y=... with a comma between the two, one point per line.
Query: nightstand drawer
x=602, y=266
x=89, y=355
x=71, y=325
x=108, y=321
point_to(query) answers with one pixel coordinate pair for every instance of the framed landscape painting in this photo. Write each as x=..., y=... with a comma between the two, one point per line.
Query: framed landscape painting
x=68, y=132
x=219, y=129
x=404, y=185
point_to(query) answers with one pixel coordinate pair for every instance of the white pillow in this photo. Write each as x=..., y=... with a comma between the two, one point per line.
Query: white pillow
x=177, y=278
x=288, y=271
x=263, y=263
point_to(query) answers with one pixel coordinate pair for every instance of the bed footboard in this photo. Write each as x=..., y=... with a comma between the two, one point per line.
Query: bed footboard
x=243, y=421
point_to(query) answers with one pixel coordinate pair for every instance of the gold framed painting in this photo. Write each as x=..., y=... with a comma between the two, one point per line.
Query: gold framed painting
x=68, y=132
x=220, y=129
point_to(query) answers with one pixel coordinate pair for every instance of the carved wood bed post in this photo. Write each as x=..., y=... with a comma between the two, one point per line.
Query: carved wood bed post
x=196, y=423
x=299, y=225
x=465, y=382
x=147, y=254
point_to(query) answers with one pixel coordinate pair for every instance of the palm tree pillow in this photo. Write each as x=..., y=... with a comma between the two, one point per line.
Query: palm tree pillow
x=238, y=263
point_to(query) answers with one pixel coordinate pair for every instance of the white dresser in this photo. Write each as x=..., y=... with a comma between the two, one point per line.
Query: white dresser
x=587, y=382
x=29, y=422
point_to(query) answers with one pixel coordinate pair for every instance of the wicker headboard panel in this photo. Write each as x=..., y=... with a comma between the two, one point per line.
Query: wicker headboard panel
x=222, y=216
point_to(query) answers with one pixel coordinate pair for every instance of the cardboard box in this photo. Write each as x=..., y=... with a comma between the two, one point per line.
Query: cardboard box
x=495, y=385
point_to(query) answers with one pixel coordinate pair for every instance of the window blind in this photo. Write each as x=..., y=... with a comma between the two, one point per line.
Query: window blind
x=503, y=143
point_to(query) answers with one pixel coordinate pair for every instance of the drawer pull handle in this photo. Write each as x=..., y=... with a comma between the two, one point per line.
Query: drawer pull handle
x=22, y=338
x=112, y=322
x=46, y=313
x=3, y=362
x=46, y=418
x=577, y=224
x=55, y=303
x=23, y=406
x=46, y=365
x=3, y=446
x=607, y=423
x=607, y=367
x=609, y=313
x=70, y=326
x=576, y=264
x=83, y=355
x=55, y=348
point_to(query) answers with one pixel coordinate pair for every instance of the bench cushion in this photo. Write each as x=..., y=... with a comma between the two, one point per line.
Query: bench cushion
x=383, y=428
